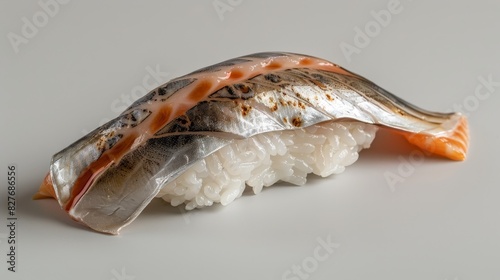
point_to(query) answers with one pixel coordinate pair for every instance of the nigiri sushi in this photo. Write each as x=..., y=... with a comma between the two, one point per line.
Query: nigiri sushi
x=247, y=122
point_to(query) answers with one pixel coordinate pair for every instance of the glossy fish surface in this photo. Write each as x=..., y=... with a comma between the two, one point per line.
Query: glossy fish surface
x=106, y=178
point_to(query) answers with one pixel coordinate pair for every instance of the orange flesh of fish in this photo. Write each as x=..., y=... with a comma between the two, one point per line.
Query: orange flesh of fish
x=453, y=146
x=46, y=189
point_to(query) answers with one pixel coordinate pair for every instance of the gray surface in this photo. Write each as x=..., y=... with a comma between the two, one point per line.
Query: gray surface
x=440, y=222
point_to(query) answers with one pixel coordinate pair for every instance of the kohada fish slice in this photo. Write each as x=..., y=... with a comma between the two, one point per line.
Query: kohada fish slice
x=250, y=121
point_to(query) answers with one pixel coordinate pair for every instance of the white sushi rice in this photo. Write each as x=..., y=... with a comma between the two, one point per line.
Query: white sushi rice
x=267, y=158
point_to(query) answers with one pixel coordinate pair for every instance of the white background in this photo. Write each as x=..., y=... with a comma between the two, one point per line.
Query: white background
x=440, y=221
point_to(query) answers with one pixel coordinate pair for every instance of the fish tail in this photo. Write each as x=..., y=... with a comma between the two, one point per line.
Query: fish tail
x=46, y=189
x=450, y=140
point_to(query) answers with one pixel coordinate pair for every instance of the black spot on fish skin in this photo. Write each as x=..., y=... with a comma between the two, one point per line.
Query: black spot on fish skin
x=273, y=78
x=242, y=87
x=230, y=90
x=225, y=92
x=174, y=86
x=235, y=91
x=320, y=78
x=181, y=124
x=244, y=91
x=112, y=141
x=134, y=118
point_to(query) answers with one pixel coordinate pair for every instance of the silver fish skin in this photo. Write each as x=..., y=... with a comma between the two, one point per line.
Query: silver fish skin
x=108, y=177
